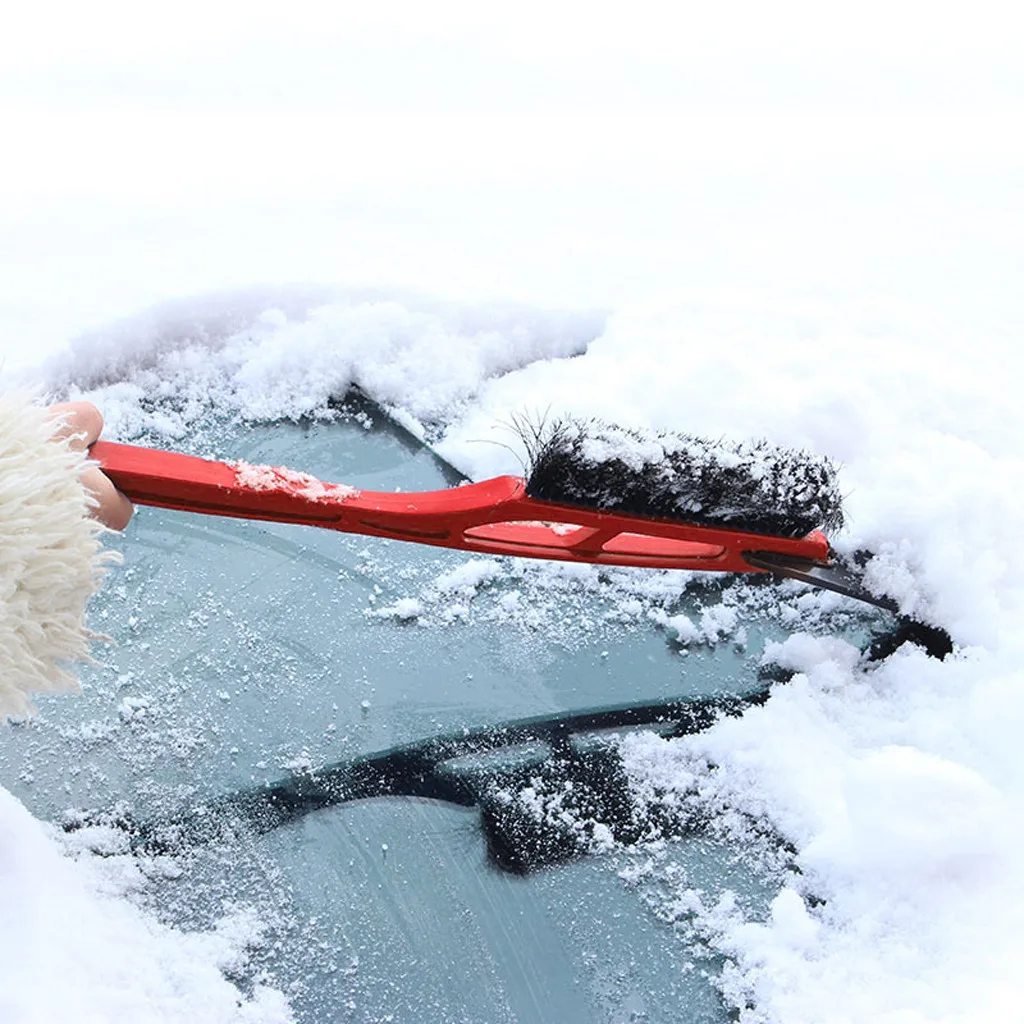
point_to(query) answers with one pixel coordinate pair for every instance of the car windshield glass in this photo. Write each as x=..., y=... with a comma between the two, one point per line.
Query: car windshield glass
x=399, y=759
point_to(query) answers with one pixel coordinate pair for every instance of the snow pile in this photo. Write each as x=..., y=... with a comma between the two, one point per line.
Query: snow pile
x=466, y=578
x=901, y=794
x=405, y=609
x=716, y=622
x=287, y=354
x=73, y=950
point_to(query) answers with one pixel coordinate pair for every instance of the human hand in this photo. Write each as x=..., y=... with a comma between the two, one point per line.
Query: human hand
x=82, y=423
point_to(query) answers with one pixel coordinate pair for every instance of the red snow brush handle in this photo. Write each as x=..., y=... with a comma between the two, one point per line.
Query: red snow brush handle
x=493, y=517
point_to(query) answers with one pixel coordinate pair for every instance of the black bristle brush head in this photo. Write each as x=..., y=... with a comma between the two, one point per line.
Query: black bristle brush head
x=755, y=486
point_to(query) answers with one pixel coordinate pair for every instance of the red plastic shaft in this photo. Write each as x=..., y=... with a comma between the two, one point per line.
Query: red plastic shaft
x=492, y=517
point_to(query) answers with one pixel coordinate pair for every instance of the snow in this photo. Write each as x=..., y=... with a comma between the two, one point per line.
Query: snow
x=283, y=353
x=906, y=829
x=815, y=239
x=289, y=481
x=468, y=576
x=405, y=609
x=73, y=949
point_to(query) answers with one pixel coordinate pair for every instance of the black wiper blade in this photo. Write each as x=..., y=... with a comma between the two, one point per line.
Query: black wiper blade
x=424, y=769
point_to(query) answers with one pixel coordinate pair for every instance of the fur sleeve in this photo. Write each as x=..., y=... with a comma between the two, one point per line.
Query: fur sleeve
x=51, y=557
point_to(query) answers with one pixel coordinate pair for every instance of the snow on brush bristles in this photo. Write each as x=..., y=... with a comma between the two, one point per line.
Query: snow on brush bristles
x=753, y=486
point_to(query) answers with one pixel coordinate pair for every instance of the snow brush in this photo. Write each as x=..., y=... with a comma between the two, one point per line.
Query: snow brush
x=594, y=494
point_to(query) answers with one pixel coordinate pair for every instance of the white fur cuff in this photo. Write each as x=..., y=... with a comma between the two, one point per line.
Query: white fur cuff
x=50, y=557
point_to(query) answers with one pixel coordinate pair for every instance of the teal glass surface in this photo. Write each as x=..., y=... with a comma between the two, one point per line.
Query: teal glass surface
x=242, y=652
